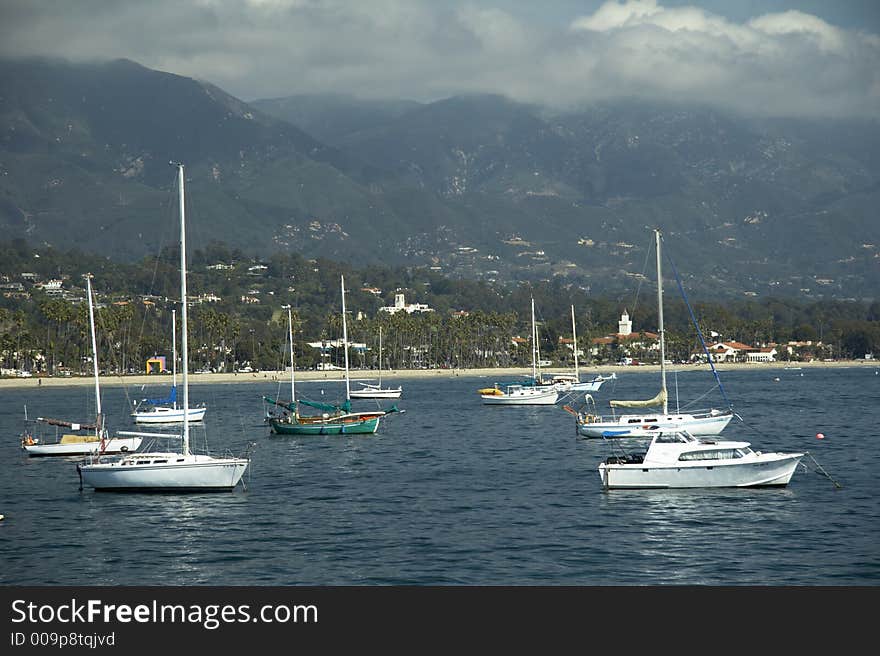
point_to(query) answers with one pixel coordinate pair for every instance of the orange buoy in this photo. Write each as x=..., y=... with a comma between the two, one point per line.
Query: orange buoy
x=820, y=436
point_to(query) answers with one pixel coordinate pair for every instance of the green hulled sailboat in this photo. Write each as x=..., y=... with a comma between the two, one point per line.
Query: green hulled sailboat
x=329, y=419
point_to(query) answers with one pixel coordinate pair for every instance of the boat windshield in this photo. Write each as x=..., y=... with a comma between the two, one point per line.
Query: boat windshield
x=671, y=438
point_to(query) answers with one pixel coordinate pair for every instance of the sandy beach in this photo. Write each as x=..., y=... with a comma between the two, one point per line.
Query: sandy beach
x=499, y=373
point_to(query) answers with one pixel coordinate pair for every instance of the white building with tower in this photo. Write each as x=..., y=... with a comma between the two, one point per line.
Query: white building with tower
x=400, y=305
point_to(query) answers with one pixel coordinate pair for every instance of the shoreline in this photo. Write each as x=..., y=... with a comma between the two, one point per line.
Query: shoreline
x=304, y=376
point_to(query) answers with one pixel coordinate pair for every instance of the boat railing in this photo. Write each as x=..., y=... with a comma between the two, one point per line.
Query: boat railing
x=707, y=413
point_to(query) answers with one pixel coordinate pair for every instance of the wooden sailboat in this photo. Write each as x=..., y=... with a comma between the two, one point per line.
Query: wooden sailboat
x=331, y=419
x=169, y=471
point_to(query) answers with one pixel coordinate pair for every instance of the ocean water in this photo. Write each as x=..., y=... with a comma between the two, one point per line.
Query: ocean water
x=452, y=492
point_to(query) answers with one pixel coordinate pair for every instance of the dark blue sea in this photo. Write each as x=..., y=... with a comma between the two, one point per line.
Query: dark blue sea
x=452, y=492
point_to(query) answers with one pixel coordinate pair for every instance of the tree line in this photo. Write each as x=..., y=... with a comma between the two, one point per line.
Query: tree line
x=473, y=323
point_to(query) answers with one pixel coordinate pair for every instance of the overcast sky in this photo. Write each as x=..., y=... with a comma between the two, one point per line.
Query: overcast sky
x=769, y=57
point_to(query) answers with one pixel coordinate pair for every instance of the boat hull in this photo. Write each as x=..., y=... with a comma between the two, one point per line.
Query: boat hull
x=549, y=399
x=112, y=446
x=167, y=415
x=362, y=426
x=768, y=470
x=376, y=394
x=177, y=473
x=649, y=425
x=571, y=384
x=592, y=386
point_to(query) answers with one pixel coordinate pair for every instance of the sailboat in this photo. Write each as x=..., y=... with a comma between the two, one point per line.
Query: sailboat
x=376, y=391
x=518, y=393
x=649, y=424
x=572, y=382
x=81, y=441
x=169, y=471
x=271, y=414
x=165, y=411
x=332, y=419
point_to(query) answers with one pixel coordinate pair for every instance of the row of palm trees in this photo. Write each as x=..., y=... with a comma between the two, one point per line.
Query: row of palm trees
x=55, y=338
x=51, y=335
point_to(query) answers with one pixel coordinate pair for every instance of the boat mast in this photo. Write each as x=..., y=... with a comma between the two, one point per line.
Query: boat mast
x=290, y=331
x=174, y=355
x=183, y=333
x=534, y=343
x=345, y=339
x=574, y=336
x=380, y=357
x=662, y=331
x=99, y=418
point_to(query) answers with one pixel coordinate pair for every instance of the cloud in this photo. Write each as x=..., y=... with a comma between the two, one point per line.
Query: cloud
x=827, y=37
x=786, y=63
x=613, y=15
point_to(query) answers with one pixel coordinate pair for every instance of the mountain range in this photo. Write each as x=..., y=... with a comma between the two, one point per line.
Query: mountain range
x=477, y=187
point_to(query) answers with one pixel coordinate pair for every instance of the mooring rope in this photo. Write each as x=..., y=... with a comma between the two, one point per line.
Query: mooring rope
x=821, y=470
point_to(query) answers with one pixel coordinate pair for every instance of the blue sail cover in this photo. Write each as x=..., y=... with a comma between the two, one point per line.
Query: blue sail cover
x=172, y=397
x=283, y=404
x=326, y=407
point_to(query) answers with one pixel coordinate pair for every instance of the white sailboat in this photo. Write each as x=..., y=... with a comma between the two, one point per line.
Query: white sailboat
x=80, y=442
x=680, y=460
x=569, y=383
x=164, y=471
x=376, y=391
x=648, y=424
x=517, y=393
x=165, y=411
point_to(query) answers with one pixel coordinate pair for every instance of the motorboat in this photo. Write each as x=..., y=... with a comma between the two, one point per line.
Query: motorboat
x=681, y=460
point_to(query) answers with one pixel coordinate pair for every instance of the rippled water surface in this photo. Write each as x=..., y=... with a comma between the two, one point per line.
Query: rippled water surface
x=454, y=492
